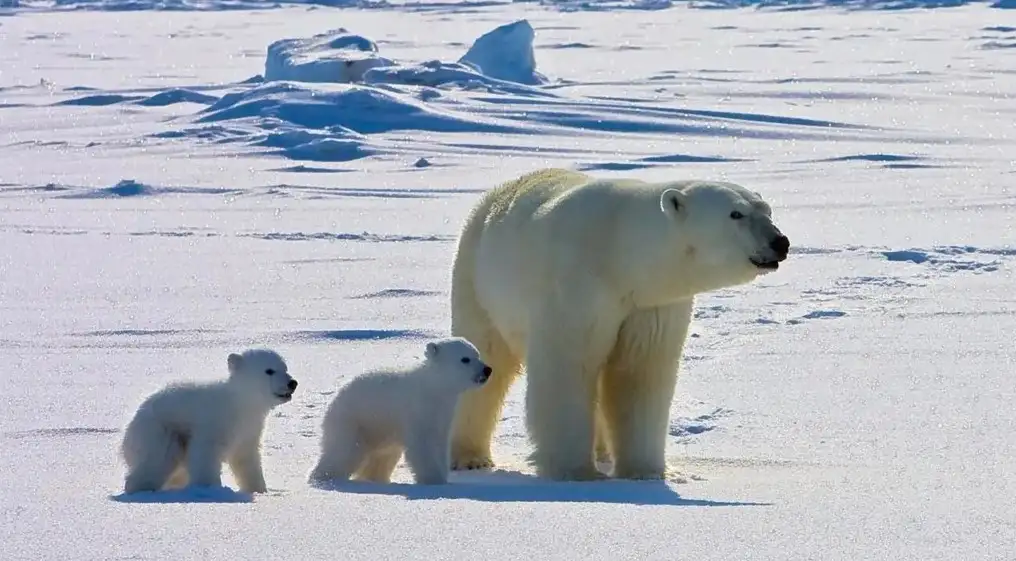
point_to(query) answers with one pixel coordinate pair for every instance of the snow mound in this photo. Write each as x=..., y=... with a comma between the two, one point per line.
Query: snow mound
x=334, y=56
x=329, y=149
x=506, y=53
x=126, y=188
x=177, y=95
x=501, y=59
x=435, y=73
x=331, y=122
x=123, y=188
x=343, y=108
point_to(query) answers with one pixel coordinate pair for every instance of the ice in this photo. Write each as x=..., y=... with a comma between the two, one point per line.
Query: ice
x=506, y=53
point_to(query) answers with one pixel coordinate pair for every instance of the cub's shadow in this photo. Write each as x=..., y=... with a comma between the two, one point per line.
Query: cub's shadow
x=514, y=486
x=192, y=494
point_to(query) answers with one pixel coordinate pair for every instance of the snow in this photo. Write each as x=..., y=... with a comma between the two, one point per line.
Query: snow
x=506, y=53
x=336, y=56
x=162, y=205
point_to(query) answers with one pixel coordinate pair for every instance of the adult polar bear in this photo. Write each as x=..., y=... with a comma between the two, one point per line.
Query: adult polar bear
x=589, y=283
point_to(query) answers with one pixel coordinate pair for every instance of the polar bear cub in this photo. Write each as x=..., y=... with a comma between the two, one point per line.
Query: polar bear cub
x=380, y=414
x=184, y=432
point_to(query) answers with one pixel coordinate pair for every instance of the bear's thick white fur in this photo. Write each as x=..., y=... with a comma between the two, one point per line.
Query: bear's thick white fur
x=589, y=284
x=183, y=433
x=380, y=414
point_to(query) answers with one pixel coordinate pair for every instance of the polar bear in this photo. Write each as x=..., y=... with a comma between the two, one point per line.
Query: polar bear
x=184, y=432
x=588, y=283
x=380, y=414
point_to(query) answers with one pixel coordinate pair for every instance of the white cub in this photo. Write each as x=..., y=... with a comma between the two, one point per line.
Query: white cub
x=184, y=432
x=380, y=414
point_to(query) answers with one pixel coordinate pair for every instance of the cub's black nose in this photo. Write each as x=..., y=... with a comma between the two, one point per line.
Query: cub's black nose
x=487, y=370
x=781, y=245
x=292, y=384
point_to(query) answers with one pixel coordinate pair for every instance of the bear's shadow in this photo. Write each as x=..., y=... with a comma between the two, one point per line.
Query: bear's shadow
x=514, y=486
x=186, y=495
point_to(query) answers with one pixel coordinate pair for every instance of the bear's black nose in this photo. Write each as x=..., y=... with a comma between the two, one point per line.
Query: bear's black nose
x=781, y=245
x=292, y=384
x=487, y=370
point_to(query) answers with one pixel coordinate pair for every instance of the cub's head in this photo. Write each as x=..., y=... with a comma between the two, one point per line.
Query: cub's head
x=728, y=231
x=263, y=375
x=458, y=361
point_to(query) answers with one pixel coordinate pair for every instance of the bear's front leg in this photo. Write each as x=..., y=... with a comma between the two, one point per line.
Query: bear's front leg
x=204, y=459
x=245, y=463
x=565, y=358
x=638, y=387
x=427, y=454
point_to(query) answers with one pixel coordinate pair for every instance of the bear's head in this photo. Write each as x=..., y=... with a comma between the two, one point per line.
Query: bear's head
x=726, y=231
x=458, y=362
x=262, y=376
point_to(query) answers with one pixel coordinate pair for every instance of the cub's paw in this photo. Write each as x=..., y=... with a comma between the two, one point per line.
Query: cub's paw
x=465, y=462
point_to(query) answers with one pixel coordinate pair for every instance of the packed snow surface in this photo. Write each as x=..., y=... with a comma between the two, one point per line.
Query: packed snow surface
x=182, y=179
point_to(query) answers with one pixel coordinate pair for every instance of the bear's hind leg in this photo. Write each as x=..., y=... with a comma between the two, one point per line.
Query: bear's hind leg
x=479, y=409
x=602, y=446
x=638, y=387
x=152, y=453
x=341, y=453
x=179, y=478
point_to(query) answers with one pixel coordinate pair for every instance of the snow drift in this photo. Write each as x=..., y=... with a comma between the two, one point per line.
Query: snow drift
x=346, y=109
x=500, y=57
x=506, y=53
x=334, y=97
x=333, y=56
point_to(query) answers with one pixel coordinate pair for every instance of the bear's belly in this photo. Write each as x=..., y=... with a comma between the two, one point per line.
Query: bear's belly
x=381, y=433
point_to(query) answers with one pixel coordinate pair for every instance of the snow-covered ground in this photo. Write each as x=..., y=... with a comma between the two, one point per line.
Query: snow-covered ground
x=162, y=205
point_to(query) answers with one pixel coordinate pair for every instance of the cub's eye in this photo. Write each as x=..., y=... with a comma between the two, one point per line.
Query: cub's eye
x=269, y=372
x=736, y=215
x=465, y=360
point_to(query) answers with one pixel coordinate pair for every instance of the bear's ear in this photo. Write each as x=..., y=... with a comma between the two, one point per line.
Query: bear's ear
x=674, y=203
x=234, y=362
x=431, y=349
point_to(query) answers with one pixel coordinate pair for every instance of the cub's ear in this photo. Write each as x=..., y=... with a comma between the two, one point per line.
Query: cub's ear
x=235, y=362
x=674, y=203
x=432, y=349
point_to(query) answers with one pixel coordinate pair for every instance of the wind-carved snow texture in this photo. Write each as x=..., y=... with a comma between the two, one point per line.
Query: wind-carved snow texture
x=362, y=95
x=334, y=97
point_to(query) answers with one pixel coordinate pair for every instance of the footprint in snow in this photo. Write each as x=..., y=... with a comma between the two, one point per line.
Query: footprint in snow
x=818, y=314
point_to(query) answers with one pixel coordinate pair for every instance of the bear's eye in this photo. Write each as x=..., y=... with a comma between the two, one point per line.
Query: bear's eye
x=269, y=372
x=465, y=360
x=736, y=215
